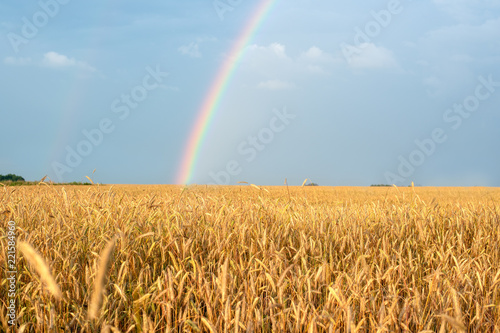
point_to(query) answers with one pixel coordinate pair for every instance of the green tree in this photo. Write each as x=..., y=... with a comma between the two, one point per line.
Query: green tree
x=11, y=177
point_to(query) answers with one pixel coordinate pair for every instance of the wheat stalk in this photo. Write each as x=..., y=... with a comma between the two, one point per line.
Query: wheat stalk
x=41, y=268
x=96, y=300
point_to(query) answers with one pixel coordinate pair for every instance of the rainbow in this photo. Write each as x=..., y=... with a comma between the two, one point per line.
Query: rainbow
x=214, y=95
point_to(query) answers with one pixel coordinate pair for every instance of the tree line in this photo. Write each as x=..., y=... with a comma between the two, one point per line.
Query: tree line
x=11, y=177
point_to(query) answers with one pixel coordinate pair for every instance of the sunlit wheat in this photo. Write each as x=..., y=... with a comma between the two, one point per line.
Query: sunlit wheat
x=254, y=258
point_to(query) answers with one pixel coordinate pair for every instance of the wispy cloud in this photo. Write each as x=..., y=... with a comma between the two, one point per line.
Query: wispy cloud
x=56, y=60
x=370, y=56
x=51, y=60
x=316, y=61
x=275, y=49
x=12, y=61
x=191, y=50
x=470, y=35
x=317, y=55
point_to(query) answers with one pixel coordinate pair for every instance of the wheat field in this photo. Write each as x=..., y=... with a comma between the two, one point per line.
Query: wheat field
x=253, y=259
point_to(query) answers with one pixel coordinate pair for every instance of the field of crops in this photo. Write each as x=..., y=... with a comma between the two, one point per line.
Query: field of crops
x=252, y=259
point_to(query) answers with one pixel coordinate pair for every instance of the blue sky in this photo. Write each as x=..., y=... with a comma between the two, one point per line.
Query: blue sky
x=342, y=93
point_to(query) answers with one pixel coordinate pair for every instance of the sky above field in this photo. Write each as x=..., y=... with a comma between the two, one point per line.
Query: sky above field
x=342, y=93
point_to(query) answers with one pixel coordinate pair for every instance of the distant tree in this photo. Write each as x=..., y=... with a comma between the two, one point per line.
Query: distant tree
x=11, y=177
x=312, y=184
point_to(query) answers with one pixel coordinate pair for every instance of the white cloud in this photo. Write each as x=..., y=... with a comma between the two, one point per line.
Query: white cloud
x=368, y=55
x=315, y=54
x=17, y=61
x=274, y=60
x=268, y=61
x=56, y=60
x=276, y=85
x=274, y=49
x=192, y=50
x=315, y=60
x=265, y=63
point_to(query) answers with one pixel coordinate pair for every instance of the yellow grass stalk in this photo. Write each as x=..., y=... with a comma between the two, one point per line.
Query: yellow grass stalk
x=237, y=317
x=109, y=328
x=224, y=279
x=96, y=300
x=41, y=268
x=456, y=304
x=454, y=323
x=209, y=325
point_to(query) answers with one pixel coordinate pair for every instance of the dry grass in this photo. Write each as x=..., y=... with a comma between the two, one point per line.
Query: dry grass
x=244, y=259
x=96, y=300
x=40, y=267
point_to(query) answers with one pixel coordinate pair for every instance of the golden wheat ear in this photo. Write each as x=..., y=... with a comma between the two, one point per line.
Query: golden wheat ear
x=41, y=267
x=100, y=279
